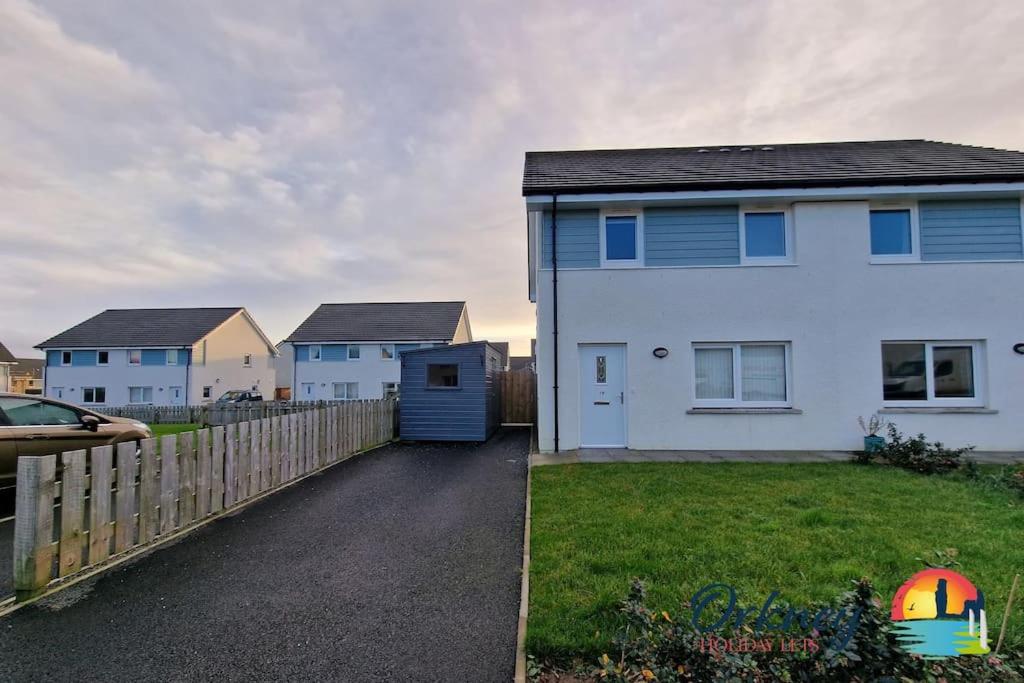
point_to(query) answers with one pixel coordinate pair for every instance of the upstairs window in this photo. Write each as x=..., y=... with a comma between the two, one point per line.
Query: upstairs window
x=353, y=351
x=766, y=237
x=247, y=360
x=620, y=240
x=172, y=356
x=387, y=351
x=65, y=358
x=314, y=352
x=102, y=358
x=134, y=357
x=892, y=233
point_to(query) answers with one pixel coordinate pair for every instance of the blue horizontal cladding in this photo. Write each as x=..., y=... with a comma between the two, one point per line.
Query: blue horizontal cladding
x=52, y=358
x=692, y=236
x=329, y=353
x=974, y=230
x=579, y=242
x=83, y=359
x=429, y=414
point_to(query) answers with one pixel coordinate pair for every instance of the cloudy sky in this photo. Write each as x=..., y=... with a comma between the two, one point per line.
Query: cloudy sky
x=281, y=154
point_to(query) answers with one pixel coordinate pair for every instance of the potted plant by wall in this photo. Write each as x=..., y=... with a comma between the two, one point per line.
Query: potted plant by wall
x=871, y=428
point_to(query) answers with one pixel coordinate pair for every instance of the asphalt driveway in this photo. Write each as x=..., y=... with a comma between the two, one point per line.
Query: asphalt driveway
x=398, y=565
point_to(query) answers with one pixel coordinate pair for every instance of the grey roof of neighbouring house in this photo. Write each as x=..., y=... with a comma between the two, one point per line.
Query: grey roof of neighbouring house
x=6, y=356
x=407, y=321
x=826, y=164
x=142, y=327
x=31, y=367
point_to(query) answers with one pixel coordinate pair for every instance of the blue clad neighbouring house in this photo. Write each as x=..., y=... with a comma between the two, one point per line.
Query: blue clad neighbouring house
x=451, y=393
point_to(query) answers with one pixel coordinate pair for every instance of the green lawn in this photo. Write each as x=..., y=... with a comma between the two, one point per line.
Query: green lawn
x=805, y=530
x=161, y=430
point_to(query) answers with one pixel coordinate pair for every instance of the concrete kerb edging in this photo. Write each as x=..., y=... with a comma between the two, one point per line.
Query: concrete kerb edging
x=524, y=591
x=9, y=605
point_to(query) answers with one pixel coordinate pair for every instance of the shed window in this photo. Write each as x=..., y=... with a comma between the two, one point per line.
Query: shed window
x=443, y=375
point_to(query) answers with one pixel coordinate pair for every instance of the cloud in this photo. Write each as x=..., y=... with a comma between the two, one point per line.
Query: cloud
x=278, y=155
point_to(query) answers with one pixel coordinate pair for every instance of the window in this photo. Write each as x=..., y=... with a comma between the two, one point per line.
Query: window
x=134, y=357
x=94, y=395
x=938, y=373
x=172, y=356
x=391, y=389
x=65, y=358
x=346, y=391
x=103, y=358
x=601, y=370
x=893, y=234
x=741, y=375
x=387, y=351
x=353, y=351
x=24, y=412
x=247, y=360
x=314, y=352
x=140, y=394
x=620, y=240
x=442, y=376
x=207, y=392
x=765, y=237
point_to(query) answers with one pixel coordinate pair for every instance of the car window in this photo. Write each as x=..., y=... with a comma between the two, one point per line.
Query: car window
x=23, y=412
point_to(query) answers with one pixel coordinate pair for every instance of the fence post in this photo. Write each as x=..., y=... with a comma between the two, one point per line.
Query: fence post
x=72, y=512
x=33, y=524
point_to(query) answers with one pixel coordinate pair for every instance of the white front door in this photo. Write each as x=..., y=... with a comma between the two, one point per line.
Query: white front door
x=602, y=395
x=177, y=396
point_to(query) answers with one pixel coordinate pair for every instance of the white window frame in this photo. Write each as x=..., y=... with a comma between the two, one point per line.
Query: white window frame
x=142, y=392
x=172, y=353
x=348, y=352
x=638, y=262
x=334, y=391
x=387, y=346
x=70, y=359
x=915, y=233
x=385, y=385
x=98, y=363
x=319, y=353
x=787, y=218
x=129, y=354
x=207, y=392
x=737, y=376
x=94, y=402
x=246, y=360
x=932, y=401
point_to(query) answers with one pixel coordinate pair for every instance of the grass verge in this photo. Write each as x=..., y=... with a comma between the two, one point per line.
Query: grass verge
x=805, y=530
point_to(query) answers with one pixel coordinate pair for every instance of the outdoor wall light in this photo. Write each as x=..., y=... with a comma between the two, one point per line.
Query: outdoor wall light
x=1019, y=348
x=660, y=352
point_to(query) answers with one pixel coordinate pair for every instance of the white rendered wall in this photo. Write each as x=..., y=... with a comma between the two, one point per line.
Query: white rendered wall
x=834, y=306
x=223, y=369
x=115, y=377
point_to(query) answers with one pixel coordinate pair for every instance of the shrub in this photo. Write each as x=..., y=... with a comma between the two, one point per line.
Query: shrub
x=918, y=455
x=653, y=647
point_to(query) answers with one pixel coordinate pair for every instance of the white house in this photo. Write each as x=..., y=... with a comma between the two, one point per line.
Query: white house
x=350, y=351
x=764, y=297
x=7, y=359
x=158, y=356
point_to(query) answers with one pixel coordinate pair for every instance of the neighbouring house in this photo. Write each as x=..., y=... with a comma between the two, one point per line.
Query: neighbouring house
x=27, y=376
x=763, y=297
x=520, y=363
x=158, y=356
x=351, y=351
x=7, y=360
x=451, y=393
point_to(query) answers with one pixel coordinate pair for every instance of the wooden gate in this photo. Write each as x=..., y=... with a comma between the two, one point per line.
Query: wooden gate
x=518, y=396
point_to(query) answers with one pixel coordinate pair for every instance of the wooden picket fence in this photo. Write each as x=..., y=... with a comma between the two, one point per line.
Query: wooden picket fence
x=110, y=501
x=518, y=396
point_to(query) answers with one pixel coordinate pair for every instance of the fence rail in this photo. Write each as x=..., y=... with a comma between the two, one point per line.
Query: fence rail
x=213, y=414
x=104, y=503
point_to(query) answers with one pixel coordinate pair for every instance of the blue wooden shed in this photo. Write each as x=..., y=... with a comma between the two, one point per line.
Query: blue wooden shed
x=450, y=393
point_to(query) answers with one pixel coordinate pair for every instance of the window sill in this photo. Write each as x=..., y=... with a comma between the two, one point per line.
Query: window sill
x=939, y=410
x=904, y=262
x=744, y=411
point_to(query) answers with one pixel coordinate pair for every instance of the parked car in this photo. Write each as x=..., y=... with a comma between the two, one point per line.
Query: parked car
x=31, y=425
x=240, y=396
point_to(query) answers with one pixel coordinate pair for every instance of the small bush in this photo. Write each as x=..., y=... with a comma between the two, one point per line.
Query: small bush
x=653, y=647
x=918, y=455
